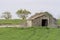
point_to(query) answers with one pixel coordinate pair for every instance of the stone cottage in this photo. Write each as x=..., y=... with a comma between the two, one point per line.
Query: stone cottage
x=42, y=19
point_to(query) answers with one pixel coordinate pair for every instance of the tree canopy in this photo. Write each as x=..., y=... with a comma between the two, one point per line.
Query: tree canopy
x=23, y=13
x=6, y=15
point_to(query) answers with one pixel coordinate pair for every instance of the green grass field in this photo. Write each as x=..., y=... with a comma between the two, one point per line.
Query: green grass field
x=29, y=34
x=58, y=21
x=11, y=21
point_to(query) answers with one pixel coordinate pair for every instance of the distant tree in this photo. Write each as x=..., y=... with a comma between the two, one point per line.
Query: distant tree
x=23, y=13
x=6, y=15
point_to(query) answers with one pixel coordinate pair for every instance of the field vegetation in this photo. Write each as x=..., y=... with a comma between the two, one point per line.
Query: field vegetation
x=33, y=33
x=29, y=33
x=11, y=21
x=58, y=21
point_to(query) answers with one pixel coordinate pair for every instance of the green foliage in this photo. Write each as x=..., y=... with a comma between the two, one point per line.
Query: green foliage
x=29, y=34
x=23, y=13
x=6, y=15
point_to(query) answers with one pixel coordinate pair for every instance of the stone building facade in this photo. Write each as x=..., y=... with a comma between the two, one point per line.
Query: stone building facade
x=42, y=19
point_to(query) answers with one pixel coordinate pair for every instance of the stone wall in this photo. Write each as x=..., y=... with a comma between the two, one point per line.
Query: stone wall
x=38, y=21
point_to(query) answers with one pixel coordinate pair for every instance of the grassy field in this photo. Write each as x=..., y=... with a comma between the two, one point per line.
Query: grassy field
x=29, y=34
x=58, y=21
x=12, y=21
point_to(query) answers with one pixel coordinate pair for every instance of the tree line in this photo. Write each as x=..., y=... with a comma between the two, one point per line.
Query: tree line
x=22, y=13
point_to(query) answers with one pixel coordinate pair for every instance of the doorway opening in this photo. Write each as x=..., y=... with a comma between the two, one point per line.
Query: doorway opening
x=44, y=22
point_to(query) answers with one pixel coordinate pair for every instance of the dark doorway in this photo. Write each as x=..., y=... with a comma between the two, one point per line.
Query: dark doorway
x=44, y=22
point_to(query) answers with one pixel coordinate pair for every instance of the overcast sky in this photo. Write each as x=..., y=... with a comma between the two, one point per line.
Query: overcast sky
x=52, y=6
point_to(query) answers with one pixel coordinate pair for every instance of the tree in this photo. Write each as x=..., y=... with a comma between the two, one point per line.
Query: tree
x=6, y=15
x=23, y=13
